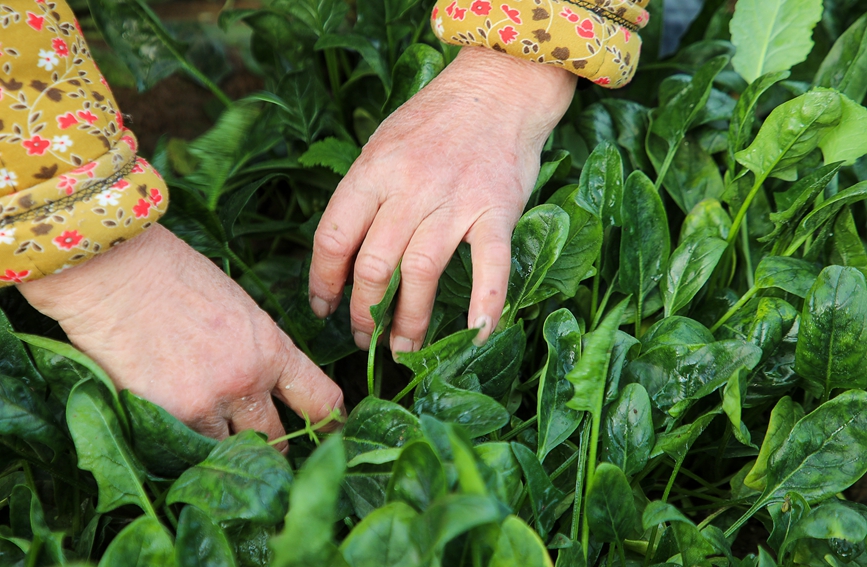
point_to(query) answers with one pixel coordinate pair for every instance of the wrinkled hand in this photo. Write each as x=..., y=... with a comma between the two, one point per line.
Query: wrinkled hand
x=167, y=324
x=455, y=163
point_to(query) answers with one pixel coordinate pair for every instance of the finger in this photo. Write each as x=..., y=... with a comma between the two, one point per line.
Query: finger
x=424, y=261
x=258, y=413
x=386, y=241
x=341, y=230
x=490, y=241
x=213, y=426
x=306, y=389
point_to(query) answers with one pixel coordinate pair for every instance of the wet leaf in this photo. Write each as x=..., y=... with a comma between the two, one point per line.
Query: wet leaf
x=627, y=431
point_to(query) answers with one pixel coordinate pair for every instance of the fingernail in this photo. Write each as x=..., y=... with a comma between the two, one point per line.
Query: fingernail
x=483, y=324
x=402, y=344
x=320, y=307
x=362, y=340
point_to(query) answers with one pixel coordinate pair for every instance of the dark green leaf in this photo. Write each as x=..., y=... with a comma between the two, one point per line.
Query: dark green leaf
x=477, y=413
x=417, y=66
x=645, y=242
x=103, y=451
x=143, y=543
x=378, y=424
x=744, y=116
x=165, y=445
x=694, y=175
x=544, y=496
x=418, y=477
x=537, y=242
x=627, y=433
x=732, y=405
x=692, y=545
x=600, y=188
x=14, y=360
x=501, y=470
x=832, y=339
x=789, y=274
x=689, y=267
x=201, y=542
x=805, y=192
x=829, y=209
x=364, y=47
x=677, y=442
x=555, y=163
x=848, y=247
x=556, y=421
x=631, y=120
x=384, y=538
x=322, y=16
x=673, y=331
x=786, y=515
x=610, y=507
x=707, y=218
x=25, y=415
x=332, y=153
x=306, y=538
x=242, y=479
x=845, y=66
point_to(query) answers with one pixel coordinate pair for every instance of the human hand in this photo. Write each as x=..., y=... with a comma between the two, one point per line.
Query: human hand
x=456, y=162
x=167, y=324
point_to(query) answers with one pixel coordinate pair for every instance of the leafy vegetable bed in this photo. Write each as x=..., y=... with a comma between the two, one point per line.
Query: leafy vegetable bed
x=683, y=349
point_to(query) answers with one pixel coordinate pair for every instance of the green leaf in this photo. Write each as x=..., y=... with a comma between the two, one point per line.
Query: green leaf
x=848, y=247
x=500, y=469
x=675, y=331
x=789, y=274
x=825, y=452
x=600, y=187
x=772, y=35
x=14, y=360
x=518, y=545
x=418, y=477
x=544, y=496
x=306, y=538
x=732, y=405
x=201, y=542
x=645, y=242
x=694, y=175
x=829, y=209
x=744, y=116
x=554, y=163
x=364, y=46
x=848, y=141
x=627, y=431
x=243, y=479
x=321, y=16
x=832, y=520
x=557, y=421
x=631, y=120
x=845, y=66
x=611, y=510
x=337, y=155
x=537, y=242
x=384, y=538
x=378, y=424
x=477, y=413
x=25, y=415
x=582, y=247
x=832, y=339
x=786, y=515
x=692, y=545
x=417, y=66
x=677, y=442
x=34, y=525
x=456, y=283
x=381, y=318
x=164, y=444
x=143, y=543
x=793, y=130
x=303, y=103
x=707, y=218
x=806, y=190
x=103, y=451
x=450, y=517
x=689, y=267
x=589, y=373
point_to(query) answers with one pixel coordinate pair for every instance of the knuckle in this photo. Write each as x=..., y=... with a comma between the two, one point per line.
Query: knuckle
x=373, y=269
x=331, y=241
x=419, y=265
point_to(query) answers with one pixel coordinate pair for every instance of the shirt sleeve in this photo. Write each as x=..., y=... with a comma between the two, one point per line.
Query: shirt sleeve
x=71, y=182
x=595, y=39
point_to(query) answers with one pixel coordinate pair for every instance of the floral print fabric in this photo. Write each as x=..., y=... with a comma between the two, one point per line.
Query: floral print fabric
x=595, y=39
x=71, y=185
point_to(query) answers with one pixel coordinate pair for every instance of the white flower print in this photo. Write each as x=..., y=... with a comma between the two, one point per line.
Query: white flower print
x=60, y=143
x=7, y=235
x=47, y=59
x=438, y=23
x=107, y=198
x=8, y=179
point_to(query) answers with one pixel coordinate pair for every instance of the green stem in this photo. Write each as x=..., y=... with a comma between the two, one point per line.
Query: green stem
x=622, y=555
x=748, y=257
x=604, y=303
x=566, y=464
x=334, y=75
x=743, y=519
x=734, y=308
x=673, y=476
x=579, y=479
x=408, y=388
x=514, y=433
x=591, y=471
x=371, y=359
x=333, y=416
x=33, y=552
x=742, y=212
x=594, y=298
x=669, y=157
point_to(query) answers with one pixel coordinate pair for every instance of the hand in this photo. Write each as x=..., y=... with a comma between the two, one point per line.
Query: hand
x=167, y=324
x=456, y=162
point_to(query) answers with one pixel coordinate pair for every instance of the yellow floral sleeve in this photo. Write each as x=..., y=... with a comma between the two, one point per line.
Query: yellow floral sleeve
x=595, y=39
x=71, y=184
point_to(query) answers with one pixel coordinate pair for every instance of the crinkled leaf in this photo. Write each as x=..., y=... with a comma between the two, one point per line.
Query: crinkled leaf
x=789, y=274
x=582, y=247
x=848, y=141
x=25, y=415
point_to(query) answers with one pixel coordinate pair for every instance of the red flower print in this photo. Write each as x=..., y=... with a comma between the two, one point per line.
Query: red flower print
x=130, y=141
x=603, y=81
x=436, y=11
x=15, y=277
x=87, y=116
x=460, y=13
x=585, y=29
x=1, y=94
x=570, y=15
x=68, y=240
x=36, y=146
x=35, y=21
x=67, y=184
x=511, y=13
x=451, y=8
x=60, y=47
x=121, y=185
x=626, y=34
x=508, y=34
x=480, y=8
x=141, y=209
x=86, y=168
x=66, y=120
x=118, y=117
x=156, y=197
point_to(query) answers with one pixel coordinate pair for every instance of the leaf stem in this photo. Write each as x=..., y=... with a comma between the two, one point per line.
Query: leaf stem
x=310, y=429
x=735, y=308
x=514, y=432
x=591, y=471
x=604, y=303
x=579, y=477
x=748, y=257
x=669, y=157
